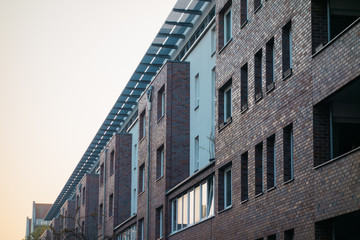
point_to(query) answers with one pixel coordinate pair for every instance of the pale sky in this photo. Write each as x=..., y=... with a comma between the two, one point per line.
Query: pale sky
x=63, y=64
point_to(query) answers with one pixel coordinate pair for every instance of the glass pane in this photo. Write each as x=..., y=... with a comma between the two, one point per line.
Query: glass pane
x=228, y=188
x=191, y=207
x=174, y=212
x=197, y=204
x=204, y=200
x=185, y=210
x=179, y=213
x=228, y=103
x=210, y=197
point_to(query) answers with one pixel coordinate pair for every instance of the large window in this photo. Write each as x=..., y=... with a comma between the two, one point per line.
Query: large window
x=128, y=234
x=193, y=206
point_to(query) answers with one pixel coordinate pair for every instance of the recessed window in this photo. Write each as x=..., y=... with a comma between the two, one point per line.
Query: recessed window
x=257, y=5
x=192, y=206
x=101, y=213
x=288, y=153
x=225, y=103
x=141, y=229
x=142, y=125
x=213, y=40
x=83, y=196
x=244, y=176
x=197, y=91
x=227, y=26
x=160, y=162
x=141, y=178
x=287, y=50
x=258, y=75
x=270, y=162
x=197, y=149
x=227, y=188
x=101, y=176
x=270, y=77
x=161, y=102
x=271, y=237
x=111, y=205
x=259, y=168
x=112, y=161
x=244, y=87
x=289, y=234
x=243, y=12
x=159, y=222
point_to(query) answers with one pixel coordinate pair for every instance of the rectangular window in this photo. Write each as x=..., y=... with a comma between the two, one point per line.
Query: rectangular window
x=289, y=234
x=225, y=103
x=77, y=201
x=197, y=91
x=159, y=222
x=271, y=237
x=101, y=174
x=213, y=40
x=288, y=153
x=227, y=188
x=83, y=196
x=161, y=102
x=244, y=176
x=258, y=75
x=258, y=168
x=197, y=148
x=270, y=77
x=192, y=206
x=112, y=161
x=141, y=178
x=244, y=87
x=111, y=205
x=287, y=50
x=257, y=5
x=101, y=213
x=142, y=125
x=227, y=26
x=243, y=12
x=160, y=162
x=271, y=162
x=141, y=229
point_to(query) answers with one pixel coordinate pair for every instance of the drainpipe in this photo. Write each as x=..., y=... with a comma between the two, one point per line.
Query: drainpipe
x=149, y=98
x=104, y=201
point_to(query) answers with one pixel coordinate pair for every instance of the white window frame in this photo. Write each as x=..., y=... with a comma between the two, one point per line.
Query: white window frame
x=197, y=91
x=226, y=171
x=227, y=26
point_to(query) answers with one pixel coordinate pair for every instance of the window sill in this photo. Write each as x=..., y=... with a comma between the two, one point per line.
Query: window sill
x=335, y=38
x=244, y=108
x=287, y=74
x=244, y=201
x=270, y=87
x=258, y=97
x=110, y=217
x=196, y=107
x=225, y=124
x=243, y=25
x=141, y=139
x=259, y=194
x=336, y=158
x=159, y=178
x=212, y=54
x=160, y=118
x=225, y=209
x=141, y=193
x=258, y=8
x=270, y=189
x=226, y=44
x=289, y=181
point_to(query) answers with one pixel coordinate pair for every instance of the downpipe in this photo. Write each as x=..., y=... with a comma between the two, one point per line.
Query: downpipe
x=149, y=98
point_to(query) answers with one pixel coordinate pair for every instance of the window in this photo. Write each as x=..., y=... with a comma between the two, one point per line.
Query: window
x=271, y=162
x=141, y=229
x=271, y=237
x=161, y=102
x=330, y=17
x=213, y=40
x=258, y=168
x=142, y=125
x=227, y=188
x=192, y=206
x=287, y=50
x=160, y=162
x=227, y=26
x=244, y=87
x=112, y=158
x=111, y=205
x=128, y=234
x=270, y=77
x=243, y=12
x=101, y=174
x=197, y=91
x=141, y=178
x=288, y=153
x=289, y=234
x=257, y=5
x=83, y=196
x=101, y=213
x=159, y=222
x=258, y=75
x=77, y=201
x=197, y=148
x=244, y=176
x=225, y=102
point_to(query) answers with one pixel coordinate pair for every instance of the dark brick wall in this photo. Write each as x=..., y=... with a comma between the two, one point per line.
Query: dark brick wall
x=68, y=226
x=171, y=131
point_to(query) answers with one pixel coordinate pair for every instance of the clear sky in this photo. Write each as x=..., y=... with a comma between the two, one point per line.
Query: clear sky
x=63, y=64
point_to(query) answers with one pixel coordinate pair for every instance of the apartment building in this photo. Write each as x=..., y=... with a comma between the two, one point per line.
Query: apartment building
x=242, y=121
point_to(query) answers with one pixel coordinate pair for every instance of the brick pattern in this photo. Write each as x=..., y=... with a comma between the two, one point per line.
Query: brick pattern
x=68, y=220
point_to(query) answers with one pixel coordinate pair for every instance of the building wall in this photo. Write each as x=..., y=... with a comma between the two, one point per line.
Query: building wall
x=68, y=220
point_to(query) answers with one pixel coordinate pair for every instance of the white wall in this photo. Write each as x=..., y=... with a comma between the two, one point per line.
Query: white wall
x=202, y=118
x=134, y=165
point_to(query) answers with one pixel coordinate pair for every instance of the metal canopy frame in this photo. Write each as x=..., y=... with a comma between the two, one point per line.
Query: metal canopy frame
x=161, y=49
